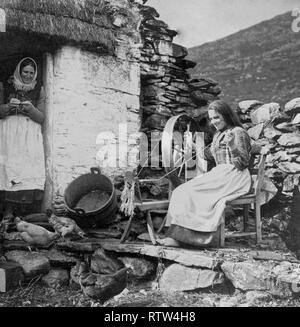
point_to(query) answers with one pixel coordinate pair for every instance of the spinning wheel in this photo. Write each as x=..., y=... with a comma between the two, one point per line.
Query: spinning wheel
x=178, y=158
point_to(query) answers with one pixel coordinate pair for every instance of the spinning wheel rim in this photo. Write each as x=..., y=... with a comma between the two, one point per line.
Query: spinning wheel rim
x=166, y=145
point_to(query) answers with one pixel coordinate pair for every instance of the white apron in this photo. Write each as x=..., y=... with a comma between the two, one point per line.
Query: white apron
x=22, y=163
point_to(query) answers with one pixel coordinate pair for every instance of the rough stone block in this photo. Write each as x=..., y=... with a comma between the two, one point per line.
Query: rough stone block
x=281, y=280
x=248, y=105
x=292, y=106
x=255, y=131
x=11, y=274
x=265, y=113
x=180, y=278
x=33, y=263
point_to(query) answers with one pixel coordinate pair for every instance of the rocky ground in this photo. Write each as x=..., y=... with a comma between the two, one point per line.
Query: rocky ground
x=249, y=291
x=35, y=295
x=243, y=274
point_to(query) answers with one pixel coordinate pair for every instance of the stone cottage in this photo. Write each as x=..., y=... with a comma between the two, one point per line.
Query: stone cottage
x=88, y=52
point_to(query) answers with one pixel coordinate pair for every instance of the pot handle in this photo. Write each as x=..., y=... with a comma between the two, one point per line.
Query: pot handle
x=79, y=211
x=95, y=170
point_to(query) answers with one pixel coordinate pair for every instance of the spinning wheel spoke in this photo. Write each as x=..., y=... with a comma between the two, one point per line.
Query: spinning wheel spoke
x=180, y=170
x=175, y=154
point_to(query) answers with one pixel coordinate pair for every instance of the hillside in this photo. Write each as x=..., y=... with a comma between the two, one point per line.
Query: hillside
x=261, y=62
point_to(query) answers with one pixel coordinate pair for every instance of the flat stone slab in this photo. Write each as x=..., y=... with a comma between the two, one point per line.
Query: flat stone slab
x=193, y=258
x=83, y=246
x=180, y=278
x=202, y=258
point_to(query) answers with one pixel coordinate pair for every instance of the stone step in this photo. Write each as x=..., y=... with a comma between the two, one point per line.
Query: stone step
x=186, y=257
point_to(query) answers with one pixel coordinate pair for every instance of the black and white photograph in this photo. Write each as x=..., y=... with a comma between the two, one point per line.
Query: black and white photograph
x=149, y=156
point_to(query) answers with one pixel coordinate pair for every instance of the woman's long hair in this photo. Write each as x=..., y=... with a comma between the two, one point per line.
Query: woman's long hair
x=230, y=116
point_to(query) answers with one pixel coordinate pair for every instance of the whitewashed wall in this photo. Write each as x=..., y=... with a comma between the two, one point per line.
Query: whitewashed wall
x=91, y=94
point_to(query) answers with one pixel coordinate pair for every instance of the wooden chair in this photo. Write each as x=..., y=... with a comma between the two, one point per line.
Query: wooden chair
x=253, y=197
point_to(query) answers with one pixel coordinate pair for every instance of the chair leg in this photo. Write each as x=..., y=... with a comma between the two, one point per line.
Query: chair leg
x=246, y=216
x=150, y=228
x=162, y=225
x=127, y=229
x=222, y=234
x=258, y=223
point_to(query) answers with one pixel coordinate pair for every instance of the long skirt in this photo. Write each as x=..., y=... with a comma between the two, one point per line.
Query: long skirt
x=197, y=207
x=22, y=161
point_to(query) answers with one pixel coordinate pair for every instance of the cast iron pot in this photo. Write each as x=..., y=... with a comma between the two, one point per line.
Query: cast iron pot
x=83, y=185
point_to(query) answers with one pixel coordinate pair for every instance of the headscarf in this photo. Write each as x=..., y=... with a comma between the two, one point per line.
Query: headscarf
x=17, y=79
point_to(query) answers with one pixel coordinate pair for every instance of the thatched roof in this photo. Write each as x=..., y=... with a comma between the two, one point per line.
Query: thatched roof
x=89, y=11
x=86, y=22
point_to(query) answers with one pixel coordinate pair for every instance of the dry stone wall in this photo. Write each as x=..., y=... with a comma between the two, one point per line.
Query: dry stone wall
x=166, y=86
x=277, y=128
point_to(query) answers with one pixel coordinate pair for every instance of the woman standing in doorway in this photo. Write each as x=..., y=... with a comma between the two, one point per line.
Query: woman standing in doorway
x=22, y=164
x=197, y=206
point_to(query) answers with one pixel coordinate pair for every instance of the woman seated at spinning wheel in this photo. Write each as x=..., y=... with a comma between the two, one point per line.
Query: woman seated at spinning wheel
x=197, y=207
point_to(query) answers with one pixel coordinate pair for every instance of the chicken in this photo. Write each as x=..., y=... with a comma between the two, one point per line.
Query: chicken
x=102, y=287
x=34, y=234
x=64, y=226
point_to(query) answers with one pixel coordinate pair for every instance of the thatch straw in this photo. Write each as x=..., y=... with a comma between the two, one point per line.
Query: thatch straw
x=91, y=11
x=63, y=28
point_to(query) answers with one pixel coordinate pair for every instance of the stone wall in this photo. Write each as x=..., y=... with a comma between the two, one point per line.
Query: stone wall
x=277, y=128
x=167, y=89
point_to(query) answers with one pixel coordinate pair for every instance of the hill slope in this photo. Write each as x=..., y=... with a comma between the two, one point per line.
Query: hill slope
x=261, y=62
